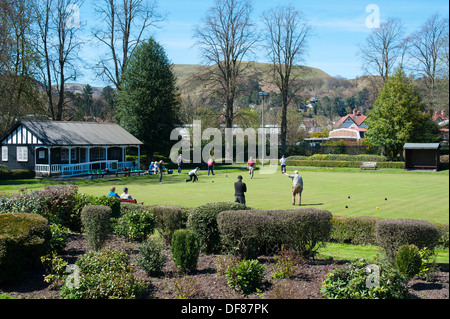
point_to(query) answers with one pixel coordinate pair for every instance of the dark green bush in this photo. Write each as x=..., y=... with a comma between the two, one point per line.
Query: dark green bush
x=185, y=249
x=24, y=238
x=151, y=257
x=354, y=230
x=83, y=200
x=253, y=233
x=408, y=261
x=203, y=221
x=393, y=233
x=245, y=275
x=17, y=174
x=443, y=236
x=135, y=225
x=105, y=274
x=169, y=219
x=97, y=224
x=355, y=282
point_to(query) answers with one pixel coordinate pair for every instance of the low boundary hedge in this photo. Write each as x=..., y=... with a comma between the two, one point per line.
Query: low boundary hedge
x=250, y=233
x=350, y=164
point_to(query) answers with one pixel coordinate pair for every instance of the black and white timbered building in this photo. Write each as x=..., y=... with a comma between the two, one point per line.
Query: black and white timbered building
x=66, y=148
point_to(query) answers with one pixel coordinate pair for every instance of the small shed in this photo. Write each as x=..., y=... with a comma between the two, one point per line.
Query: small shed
x=422, y=156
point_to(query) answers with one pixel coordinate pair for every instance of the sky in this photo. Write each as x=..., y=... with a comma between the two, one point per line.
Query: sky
x=339, y=28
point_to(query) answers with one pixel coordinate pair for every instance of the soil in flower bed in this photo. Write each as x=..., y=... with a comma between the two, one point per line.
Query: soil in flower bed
x=205, y=283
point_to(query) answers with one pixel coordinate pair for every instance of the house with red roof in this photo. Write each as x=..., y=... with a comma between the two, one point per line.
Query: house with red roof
x=351, y=127
x=441, y=117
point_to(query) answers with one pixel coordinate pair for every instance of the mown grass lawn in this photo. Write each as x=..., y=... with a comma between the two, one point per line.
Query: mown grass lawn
x=386, y=194
x=396, y=193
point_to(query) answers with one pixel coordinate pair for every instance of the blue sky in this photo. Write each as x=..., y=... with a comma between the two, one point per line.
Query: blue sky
x=339, y=28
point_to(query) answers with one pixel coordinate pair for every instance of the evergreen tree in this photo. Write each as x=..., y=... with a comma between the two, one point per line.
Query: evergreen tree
x=147, y=101
x=399, y=117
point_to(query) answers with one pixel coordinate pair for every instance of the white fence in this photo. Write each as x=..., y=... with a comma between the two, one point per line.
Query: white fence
x=81, y=168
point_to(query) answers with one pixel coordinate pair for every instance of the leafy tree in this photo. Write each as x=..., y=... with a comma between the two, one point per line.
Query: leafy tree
x=399, y=117
x=147, y=101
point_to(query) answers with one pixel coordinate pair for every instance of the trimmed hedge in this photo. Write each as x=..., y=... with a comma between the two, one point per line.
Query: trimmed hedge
x=354, y=230
x=350, y=164
x=252, y=233
x=24, y=238
x=203, y=221
x=394, y=233
x=17, y=174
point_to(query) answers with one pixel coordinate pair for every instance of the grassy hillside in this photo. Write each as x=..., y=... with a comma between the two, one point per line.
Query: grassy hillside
x=187, y=74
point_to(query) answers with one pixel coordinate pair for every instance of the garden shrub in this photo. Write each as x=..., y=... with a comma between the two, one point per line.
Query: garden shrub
x=151, y=257
x=286, y=263
x=443, y=236
x=393, y=233
x=97, y=224
x=83, y=200
x=56, y=203
x=24, y=238
x=408, y=261
x=135, y=225
x=252, y=233
x=354, y=230
x=58, y=240
x=17, y=174
x=185, y=249
x=105, y=274
x=355, y=282
x=203, y=221
x=245, y=275
x=169, y=219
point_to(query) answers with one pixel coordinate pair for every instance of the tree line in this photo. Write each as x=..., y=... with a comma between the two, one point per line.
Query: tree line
x=41, y=40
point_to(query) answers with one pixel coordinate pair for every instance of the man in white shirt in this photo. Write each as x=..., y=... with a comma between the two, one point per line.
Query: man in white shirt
x=297, y=187
x=192, y=174
x=125, y=194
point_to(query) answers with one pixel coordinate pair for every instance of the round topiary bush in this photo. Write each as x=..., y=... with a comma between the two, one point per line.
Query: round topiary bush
x=24, y=238
x=393, y=233
x=203, y=221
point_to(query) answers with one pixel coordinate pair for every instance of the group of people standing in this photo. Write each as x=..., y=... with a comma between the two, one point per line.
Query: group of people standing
x=240, y=188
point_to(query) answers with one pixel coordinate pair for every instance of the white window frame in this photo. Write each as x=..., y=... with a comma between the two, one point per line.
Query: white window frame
x=4, y=153
x=22, y=154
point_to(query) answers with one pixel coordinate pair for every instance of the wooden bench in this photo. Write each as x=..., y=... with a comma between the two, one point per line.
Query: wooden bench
x=369, y=165
x=133, y=201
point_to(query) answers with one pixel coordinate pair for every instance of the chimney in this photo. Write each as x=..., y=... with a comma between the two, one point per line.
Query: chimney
x=355, y=112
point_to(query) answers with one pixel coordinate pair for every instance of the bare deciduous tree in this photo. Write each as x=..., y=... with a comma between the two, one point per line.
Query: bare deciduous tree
x=383, y=49
x=126, y=23
x=225, y=37
x=286, y=45
x=58, y=47
x=428, y=48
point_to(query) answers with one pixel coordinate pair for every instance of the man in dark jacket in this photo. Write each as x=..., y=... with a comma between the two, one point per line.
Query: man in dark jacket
x=239, y=191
